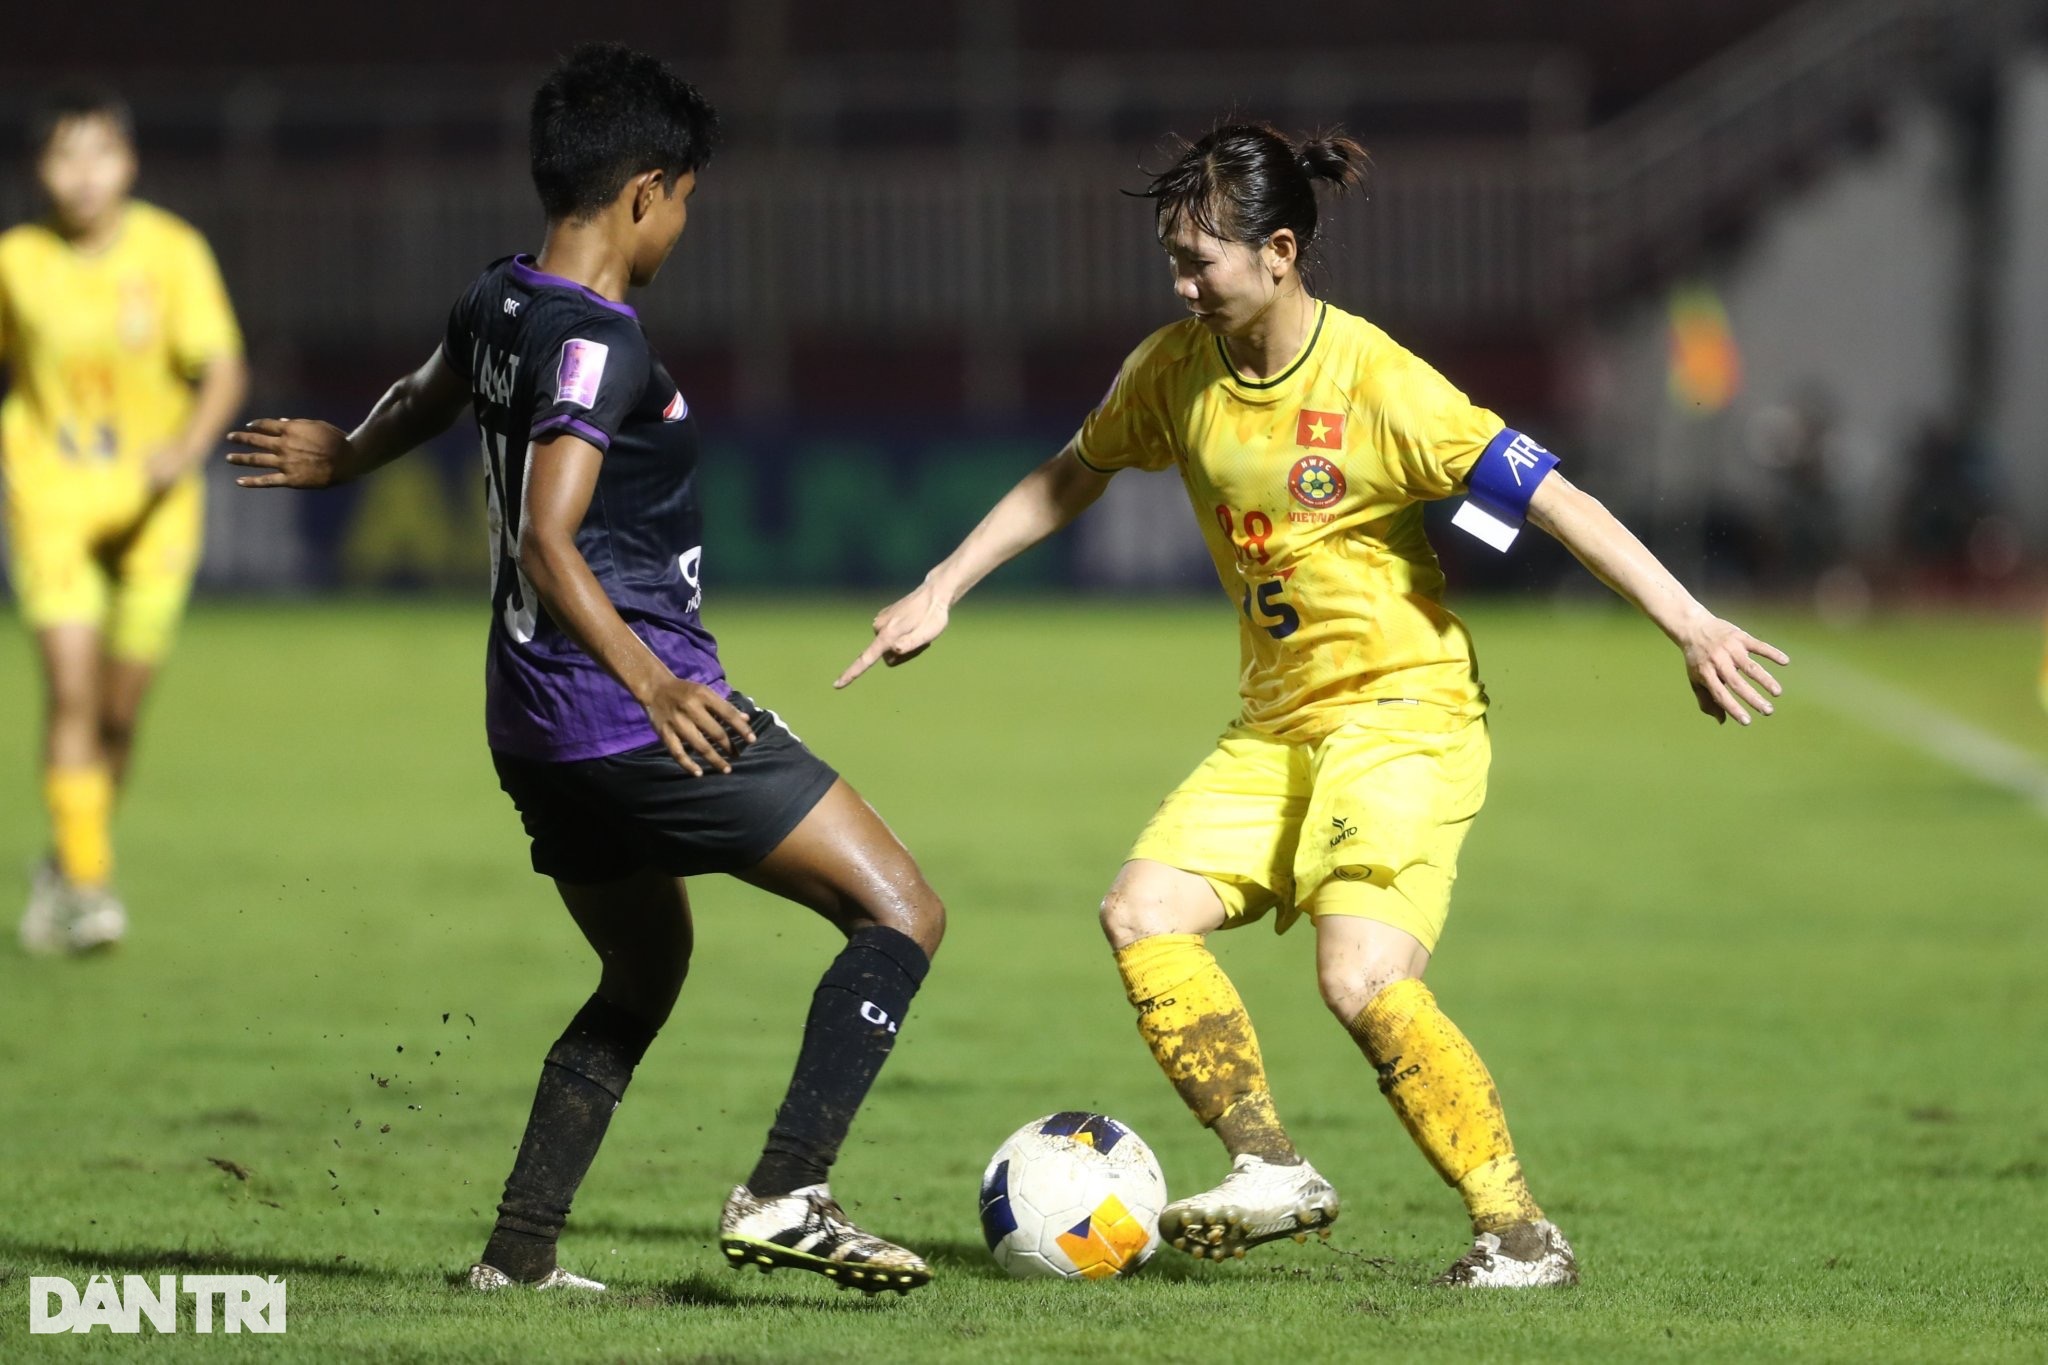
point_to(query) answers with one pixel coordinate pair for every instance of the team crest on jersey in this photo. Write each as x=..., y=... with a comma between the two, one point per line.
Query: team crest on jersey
x=1319, y=430
x=1315, y=482
x=676, y=410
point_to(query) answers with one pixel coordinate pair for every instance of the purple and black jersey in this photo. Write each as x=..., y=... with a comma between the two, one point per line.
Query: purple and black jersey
x=544, y=355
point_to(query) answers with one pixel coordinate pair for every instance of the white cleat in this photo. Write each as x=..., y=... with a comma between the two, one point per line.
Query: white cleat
x=488, y=1279
x=1259, y=1201
x=807, y=1230
x=1525, y=1256
x=43, y=922
x=98, y=920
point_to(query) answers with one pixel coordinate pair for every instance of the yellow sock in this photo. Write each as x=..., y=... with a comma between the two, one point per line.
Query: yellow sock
x=1446, y=1101
x=1191, y=1017
x=81, y=804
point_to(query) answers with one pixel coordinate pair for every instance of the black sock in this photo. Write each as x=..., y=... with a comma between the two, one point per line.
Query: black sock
x=581, y=1083
x=855, y=1011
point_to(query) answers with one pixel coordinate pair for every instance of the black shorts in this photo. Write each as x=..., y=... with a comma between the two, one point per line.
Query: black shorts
x=600, y=819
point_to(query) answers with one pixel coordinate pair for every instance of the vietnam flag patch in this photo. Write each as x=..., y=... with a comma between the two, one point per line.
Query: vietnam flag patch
x=1319, y=430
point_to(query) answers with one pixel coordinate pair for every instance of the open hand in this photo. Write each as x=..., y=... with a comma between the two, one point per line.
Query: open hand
x=1724, y=675
x=903, y=631
x=698, y=724
x=299, y=452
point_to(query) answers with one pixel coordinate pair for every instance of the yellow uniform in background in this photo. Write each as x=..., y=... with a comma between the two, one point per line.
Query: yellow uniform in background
x=101, y=351
x=1359, y=759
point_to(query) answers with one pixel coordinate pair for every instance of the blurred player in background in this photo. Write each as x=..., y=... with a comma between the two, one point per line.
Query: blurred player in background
x=1308, y=441
x=631, y=759
x=124, y=366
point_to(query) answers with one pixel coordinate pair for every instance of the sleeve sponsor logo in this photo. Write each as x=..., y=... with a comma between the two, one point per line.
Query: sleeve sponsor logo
x=581, y=372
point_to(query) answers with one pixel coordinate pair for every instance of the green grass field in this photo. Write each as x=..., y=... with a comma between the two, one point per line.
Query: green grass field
x=1768, y=1009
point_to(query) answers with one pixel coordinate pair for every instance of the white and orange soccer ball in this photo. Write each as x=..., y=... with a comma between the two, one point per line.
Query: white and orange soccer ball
x=1073, y=1196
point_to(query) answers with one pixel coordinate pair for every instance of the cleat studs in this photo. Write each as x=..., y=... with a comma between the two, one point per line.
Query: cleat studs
x=1237, y=1252
x=1301, y=1239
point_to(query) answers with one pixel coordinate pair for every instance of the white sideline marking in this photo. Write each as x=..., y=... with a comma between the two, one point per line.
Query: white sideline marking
x=1919, y=724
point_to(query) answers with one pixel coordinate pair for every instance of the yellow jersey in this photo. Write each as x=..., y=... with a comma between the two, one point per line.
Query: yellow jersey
x=101, y=349
x=1308, y=488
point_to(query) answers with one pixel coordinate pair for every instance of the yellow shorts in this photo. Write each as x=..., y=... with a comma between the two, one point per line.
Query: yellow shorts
x=90, y=550
x=1367, y=822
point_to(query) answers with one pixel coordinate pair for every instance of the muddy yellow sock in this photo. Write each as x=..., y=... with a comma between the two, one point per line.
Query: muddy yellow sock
x=1192, y=1019
x=81, y=803
x=1446, y=1101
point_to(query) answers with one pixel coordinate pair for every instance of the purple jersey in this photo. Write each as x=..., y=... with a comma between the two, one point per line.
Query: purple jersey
x=544, y=355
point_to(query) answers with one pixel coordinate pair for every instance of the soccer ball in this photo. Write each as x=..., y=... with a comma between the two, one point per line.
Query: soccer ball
x=1073, y=1195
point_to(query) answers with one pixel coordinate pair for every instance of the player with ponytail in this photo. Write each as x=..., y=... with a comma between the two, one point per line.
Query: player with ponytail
x=1308, y=441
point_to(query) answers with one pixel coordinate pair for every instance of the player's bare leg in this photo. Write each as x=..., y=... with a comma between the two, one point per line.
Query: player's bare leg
x=1192, y=1019
x=1371, y=978
x=639, y=926
x=70, y=907
x=843, y=862
x=124, y=686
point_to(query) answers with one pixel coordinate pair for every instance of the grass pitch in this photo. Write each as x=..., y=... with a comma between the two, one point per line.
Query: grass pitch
x=1767, y=1007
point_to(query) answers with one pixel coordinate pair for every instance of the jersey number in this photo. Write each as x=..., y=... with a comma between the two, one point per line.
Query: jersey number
x=505, y=498
x=1274, y=615
x=1258, y=528
x=1270, y=611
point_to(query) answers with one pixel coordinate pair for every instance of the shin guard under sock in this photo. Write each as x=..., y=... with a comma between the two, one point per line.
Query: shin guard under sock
x=81, y=806
x=1193, y=1020
x=855, y=1012
x=1446, y=1100
x=581, y=1083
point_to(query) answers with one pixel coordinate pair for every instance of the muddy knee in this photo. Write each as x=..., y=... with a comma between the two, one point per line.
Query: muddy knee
x=1151, y=898
x=1349, y=990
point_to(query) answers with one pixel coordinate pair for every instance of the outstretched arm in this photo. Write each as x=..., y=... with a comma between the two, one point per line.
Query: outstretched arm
x=1043, y=501
x=1717, y=653
x=299, y=452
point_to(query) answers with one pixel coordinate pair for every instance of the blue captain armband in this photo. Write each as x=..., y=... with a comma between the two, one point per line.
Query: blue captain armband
x=1499, y=489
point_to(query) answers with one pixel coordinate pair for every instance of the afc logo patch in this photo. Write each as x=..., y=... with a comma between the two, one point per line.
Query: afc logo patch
x=1319, y=430
x=1315, y=482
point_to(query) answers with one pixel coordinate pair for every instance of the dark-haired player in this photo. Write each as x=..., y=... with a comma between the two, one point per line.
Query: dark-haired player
x=633, y=762
x=1308, y=441
x=124, y=366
